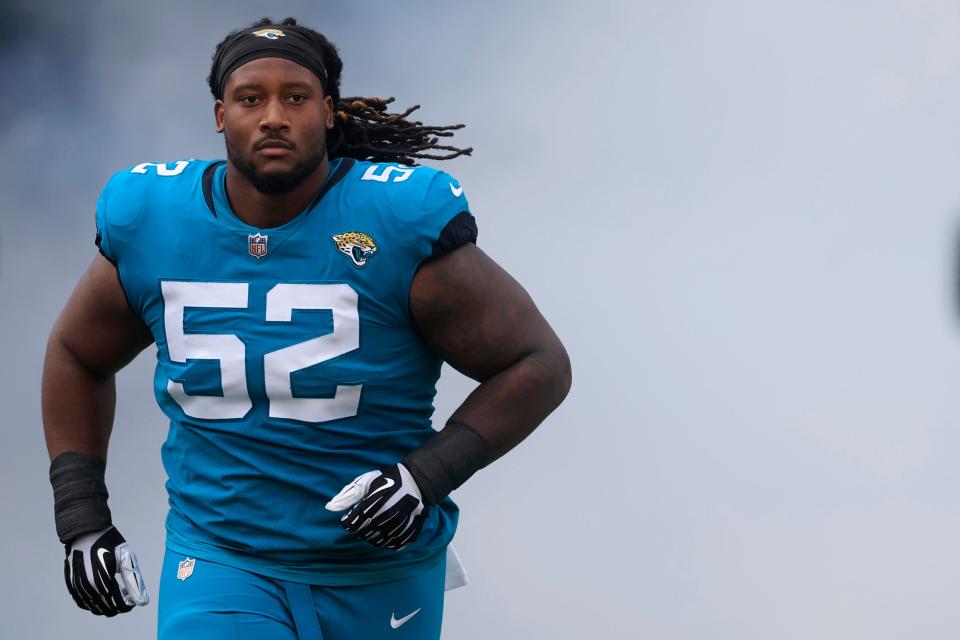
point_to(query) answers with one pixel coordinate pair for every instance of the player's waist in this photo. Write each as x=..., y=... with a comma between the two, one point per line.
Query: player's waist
x=322, y=561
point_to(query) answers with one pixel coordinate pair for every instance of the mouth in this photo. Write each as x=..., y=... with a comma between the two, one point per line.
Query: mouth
x=273, y=147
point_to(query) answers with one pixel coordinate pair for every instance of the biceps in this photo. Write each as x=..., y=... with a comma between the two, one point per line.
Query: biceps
x=97, y=326
x=474, y=315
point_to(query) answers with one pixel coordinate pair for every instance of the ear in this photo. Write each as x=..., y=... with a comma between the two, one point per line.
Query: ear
x=218, y=115
x=328, y=111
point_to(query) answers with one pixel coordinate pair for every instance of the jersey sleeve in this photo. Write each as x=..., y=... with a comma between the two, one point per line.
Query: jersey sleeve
x=103, y=235
x=119, y=217
x=430, y=217
x=446, y=222
x=128, y=197
x=119, y=213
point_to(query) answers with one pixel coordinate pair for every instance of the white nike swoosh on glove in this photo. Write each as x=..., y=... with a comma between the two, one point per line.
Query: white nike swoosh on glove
x=353, y=492
x=389, y=483
x=100, y=553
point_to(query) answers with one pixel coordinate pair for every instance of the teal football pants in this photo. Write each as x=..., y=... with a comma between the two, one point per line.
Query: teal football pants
x=217, y=602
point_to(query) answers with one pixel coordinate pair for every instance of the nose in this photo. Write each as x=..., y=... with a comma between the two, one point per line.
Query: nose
x=273, y=116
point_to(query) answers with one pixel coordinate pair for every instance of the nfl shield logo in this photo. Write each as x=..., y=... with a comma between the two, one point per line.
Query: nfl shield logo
x=185, y=568
x=257, y=244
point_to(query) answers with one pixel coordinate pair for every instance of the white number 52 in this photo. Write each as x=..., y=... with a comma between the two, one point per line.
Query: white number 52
x=278, y=365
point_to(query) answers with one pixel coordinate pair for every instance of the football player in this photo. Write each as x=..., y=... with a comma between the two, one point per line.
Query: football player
x=302, y=296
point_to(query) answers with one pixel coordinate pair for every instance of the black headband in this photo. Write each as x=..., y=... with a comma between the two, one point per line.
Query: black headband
x=285, y=41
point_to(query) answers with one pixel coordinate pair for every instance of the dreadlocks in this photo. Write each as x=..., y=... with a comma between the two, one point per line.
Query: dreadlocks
x=363, y=128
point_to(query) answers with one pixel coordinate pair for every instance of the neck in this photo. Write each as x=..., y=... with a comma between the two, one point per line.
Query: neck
x=262, y=210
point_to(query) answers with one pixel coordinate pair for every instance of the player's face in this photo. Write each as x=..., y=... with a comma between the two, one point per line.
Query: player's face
x=274, y=117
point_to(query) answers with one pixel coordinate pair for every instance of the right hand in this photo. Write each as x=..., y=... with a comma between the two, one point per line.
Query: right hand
x=103, y=574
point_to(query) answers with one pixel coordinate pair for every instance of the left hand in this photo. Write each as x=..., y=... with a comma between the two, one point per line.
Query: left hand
x=388, y=510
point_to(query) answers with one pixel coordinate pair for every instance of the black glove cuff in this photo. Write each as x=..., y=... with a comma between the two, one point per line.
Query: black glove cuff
x=79, y=495
x=446, y=460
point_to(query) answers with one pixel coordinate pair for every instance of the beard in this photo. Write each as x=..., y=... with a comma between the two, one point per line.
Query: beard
x=274, y=184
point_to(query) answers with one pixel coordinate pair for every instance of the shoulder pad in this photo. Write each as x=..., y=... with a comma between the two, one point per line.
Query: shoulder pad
x=130, y=195
x=411, y=192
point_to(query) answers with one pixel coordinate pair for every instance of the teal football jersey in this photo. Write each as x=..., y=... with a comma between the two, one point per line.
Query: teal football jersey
x=287, y=361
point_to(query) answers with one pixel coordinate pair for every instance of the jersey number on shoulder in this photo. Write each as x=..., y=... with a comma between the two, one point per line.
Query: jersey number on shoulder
x=278, y=365
x=387, y=173
x=162, y=169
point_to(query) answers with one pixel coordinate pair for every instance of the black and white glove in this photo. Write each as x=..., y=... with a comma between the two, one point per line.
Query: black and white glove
x=103, y=574
x=388, y=510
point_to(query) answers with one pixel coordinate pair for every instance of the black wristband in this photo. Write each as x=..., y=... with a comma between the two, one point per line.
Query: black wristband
x=79, y=495
x=446, y=460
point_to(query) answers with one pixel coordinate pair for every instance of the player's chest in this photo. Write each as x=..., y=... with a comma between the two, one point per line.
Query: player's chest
x=271, y=286
x=318, y=248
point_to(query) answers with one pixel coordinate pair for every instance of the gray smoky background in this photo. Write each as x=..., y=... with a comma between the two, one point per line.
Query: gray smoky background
x=740, y=217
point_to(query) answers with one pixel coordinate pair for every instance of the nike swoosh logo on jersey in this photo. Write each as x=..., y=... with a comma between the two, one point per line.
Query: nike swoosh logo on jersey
x=100, y=553
x=456, y=191
x=395, y=624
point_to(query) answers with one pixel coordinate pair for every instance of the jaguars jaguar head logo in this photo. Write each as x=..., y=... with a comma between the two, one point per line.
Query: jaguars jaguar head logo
x=270, y=34
x=355, y=245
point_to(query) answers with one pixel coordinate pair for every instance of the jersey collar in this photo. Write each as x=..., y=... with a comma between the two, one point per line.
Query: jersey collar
x=214, y=191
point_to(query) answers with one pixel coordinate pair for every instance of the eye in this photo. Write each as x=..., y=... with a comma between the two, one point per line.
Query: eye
x=249, y=100
x=298, y=98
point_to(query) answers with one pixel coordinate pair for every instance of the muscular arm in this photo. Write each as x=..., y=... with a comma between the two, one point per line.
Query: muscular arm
x=481, y=321
x=95, y=336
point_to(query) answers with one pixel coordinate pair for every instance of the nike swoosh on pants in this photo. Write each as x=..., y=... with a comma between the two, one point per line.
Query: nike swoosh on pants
x=394, y=623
